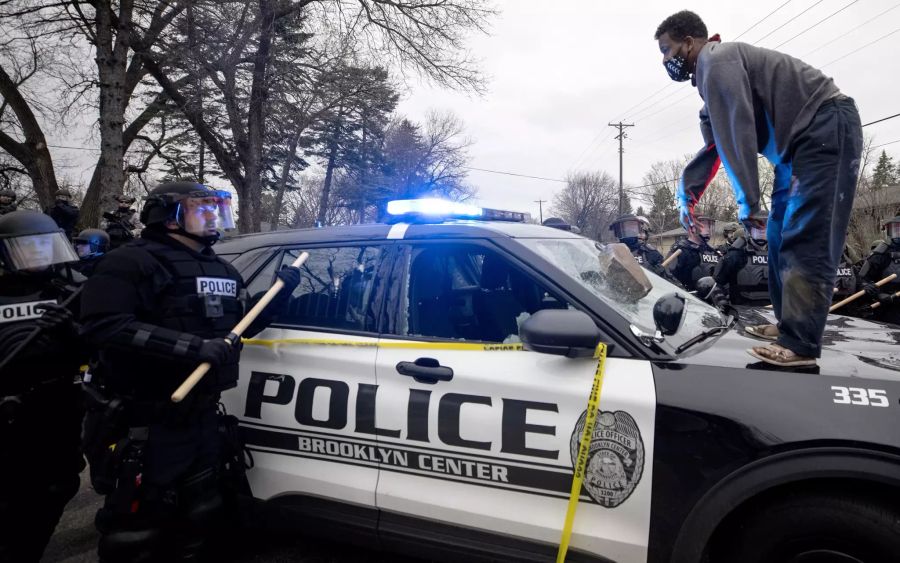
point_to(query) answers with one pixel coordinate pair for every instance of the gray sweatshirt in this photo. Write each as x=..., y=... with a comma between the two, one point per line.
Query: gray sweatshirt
x=756, y=102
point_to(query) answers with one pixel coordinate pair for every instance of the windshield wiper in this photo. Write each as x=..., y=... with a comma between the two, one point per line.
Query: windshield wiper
x=701, y=337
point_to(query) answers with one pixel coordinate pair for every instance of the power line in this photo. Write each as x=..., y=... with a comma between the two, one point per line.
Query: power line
x=861, y=48
x=828, y=17
x=505, y=173
x=787, y=22
x=762, y=20
x=848, y=32
x=885, y=144
x=880, y=120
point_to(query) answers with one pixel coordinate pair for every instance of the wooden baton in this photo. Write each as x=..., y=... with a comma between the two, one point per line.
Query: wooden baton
x=238, y=330
x=671, y=257
x=860, y=293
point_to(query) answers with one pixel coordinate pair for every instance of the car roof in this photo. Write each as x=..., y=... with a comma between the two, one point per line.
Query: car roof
x=380, y=231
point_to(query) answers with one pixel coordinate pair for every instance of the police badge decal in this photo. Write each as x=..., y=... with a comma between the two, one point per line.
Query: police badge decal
x=615, y=457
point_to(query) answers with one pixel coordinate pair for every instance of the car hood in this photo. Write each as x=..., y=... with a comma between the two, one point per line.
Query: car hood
x=850, y=347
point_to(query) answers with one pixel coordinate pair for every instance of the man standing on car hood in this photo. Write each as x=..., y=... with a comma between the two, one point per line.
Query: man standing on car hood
x=759, y=101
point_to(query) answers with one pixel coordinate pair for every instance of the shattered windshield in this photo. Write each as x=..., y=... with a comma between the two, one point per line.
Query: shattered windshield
x=632, y=292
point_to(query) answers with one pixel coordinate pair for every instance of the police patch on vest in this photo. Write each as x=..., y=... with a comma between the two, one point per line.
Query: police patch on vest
x=217, y=286
x=21, y=311
x=710, y=258
x=759, y=259
x=615, y=457
x=844, y=272
x=639, y=258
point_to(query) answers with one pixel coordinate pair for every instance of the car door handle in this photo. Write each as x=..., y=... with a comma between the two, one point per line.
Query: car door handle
x=425, y=370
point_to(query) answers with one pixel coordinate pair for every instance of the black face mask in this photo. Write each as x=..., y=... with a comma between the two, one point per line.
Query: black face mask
x=677, y=67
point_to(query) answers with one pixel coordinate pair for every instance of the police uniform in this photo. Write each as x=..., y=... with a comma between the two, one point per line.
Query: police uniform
x=64, y=213
x=695, y=261
x=884, y=261
x=40, y=404
x=648, y=256
x=153, y=306
x=119, y=226
x=90, y=245
x=745, y=271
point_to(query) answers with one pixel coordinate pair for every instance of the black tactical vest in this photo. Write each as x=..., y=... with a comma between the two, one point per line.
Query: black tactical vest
x=47, y=358
x=752, y=280
x=709, y=259
x=844, y=281
x=204, y=295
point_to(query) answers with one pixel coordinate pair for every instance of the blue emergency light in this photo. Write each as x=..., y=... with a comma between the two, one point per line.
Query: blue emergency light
x=435, y=210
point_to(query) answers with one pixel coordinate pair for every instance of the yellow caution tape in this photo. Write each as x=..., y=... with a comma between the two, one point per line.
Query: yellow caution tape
x=271, y=343
x=583, y=450
x=590, y=417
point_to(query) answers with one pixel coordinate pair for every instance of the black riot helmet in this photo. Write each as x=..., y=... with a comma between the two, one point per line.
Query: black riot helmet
x=91, y=243
x=560, y=224
x=631, y=228
x=200, y=212
x=892, y=228
x=7, y=197
x=729, y=231
x=124, y=200
x=32, y=241
x=63, y=194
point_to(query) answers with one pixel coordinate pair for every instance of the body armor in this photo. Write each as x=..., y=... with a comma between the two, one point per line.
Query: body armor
x=845, y=281
x=201, y=295
x=694, y=262
x=751, y=284
x=40, y=412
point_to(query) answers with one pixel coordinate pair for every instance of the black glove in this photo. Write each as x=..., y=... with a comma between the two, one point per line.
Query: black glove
x=872, y=290
x=886, y=299
x=55, y=318
x=291, y=277
x=719, y=298
x=217, y=352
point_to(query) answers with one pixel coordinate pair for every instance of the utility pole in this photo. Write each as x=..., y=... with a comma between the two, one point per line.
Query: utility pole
x=541, y=203
x=621, y=137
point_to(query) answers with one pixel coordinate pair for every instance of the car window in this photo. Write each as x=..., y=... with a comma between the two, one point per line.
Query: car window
x=335, y=289
x=467, y=292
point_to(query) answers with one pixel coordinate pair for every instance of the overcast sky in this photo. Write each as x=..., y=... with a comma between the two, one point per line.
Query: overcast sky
x=561, y=71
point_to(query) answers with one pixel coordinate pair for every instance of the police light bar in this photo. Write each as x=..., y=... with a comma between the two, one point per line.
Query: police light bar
x=435, y=209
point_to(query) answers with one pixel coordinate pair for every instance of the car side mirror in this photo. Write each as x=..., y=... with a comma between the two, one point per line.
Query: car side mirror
x=668, y=313
x=564, y=332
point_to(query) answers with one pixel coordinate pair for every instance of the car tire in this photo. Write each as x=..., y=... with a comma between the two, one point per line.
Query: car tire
x=816, y=528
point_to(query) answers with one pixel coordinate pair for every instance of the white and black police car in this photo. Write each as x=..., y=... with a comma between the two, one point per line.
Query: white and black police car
x=392, y=404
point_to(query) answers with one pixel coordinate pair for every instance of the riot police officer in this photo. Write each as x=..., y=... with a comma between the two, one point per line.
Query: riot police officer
x=7, y=201
x=729, y=231
x=884, y=261
x=90, y=245
x=697, y=259
x=120, y=224
x=157, y=307
x=744, y=269
x=64, y=212
x=633, y=231
x=40, y=412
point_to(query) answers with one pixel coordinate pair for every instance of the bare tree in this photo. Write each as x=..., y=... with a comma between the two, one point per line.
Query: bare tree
x=21, y=133
x=589, y=201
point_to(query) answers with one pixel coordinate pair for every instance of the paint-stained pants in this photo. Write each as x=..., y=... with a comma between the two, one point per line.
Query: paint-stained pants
x=808, y=224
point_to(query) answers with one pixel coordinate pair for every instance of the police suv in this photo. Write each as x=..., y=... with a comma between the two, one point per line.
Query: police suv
x=393, y=401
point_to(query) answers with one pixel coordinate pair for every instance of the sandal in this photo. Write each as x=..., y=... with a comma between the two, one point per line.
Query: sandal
x=780, y=356
x=766, y=332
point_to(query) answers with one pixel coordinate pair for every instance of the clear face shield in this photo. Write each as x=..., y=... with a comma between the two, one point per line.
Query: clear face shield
x=630, y=228
x=36, y=252
x=893, y=230
x=704, y=227
x=207, y=216
x=758, y=233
